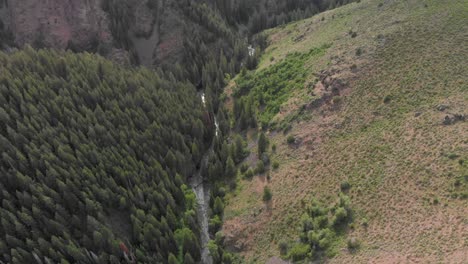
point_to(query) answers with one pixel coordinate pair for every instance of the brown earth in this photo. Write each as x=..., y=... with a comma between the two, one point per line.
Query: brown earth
x=57, y=22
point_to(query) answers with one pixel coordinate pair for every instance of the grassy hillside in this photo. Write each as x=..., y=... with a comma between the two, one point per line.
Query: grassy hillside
x=383, y=109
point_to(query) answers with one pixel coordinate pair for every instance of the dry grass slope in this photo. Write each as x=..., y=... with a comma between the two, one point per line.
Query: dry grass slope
x=400, y=75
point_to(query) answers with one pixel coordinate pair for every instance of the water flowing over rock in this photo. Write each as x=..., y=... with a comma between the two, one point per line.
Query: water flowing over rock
x=202, y=193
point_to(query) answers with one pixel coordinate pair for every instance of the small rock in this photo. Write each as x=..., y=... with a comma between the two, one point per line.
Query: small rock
x=442, y=107
x=447, y=120
x=452, y=119
x=416, y=114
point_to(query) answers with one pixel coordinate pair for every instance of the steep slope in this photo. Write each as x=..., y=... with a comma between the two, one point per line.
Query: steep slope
x=382, y=110
x=94, y=161
x=153, y=31
x=56, y=23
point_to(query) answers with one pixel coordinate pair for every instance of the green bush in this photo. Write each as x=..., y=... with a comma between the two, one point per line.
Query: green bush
x=249, y=174
x=243, y=167
x=283, y=247
x=291, y=139
x=299, y=252
x=260, y=167
x=215, y=224
x=353, y=244
x=271, y=87
x=318, y=226
x=345, y=186
x=275, y=165
x=267, y=195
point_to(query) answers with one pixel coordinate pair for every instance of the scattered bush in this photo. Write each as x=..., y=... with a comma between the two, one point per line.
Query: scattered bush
x=215, y=224
x=321, y=226
x=353, y=244
x=358, y=51
x=352, y=33
x=275, y=165
x=260, y=167
x=249, y=174
x=266, y=159
x=291, y=139
x=299, y=252
x=243, y=168
x=283, y=247
x=345, y=186
x=262, y=144
x=387, y=99
x=365, y=222
x=337, y=99
x=270, y=88
x=267, y=195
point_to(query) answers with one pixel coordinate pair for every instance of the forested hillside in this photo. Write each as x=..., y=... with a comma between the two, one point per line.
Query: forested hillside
x=191, y=33
x=94, y=160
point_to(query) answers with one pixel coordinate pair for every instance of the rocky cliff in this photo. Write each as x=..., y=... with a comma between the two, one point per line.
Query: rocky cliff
x=56, y=23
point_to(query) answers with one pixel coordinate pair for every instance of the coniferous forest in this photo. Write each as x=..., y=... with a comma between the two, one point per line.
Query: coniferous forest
x=94, y=161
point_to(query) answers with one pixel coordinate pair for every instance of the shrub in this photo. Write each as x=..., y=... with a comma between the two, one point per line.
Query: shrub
x=365, y=222
x=260, y=167
x=215, y=224
x=273, y=148
x=262, y=144
x=275, y=165
x=299, y=252
x=243, y=168
x=358, y=52
x=340, y=216
x=317, y=230
x=387, y=99
x=345, y=186
x=249, y=174
x=218, y=206
x=227, y=258
x=353, y=34
x=266, y=159
x=283, y=247
x=267, y=194
x=353, y=244
x=291, y=139
x=337, y=99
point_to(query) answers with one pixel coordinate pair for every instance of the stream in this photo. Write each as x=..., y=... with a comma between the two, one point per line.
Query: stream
x=202, y=193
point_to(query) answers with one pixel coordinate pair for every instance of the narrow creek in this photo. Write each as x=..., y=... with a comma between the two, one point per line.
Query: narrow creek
x=202, y=193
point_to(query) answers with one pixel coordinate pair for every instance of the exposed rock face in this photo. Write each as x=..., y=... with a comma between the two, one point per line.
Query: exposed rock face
x=157, y=35
x=55, y=23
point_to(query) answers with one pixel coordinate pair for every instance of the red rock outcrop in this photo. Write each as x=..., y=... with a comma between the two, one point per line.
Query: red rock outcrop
x=57, y=22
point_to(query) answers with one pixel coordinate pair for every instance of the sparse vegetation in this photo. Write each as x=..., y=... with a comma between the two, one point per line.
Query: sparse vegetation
x=321, y=229
x=270, y=88
x=353, y=244
x=390, y=156
x=267, y=195
x=262, y=144
x=275, y=165
x=345, y=186
x=260, y=169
